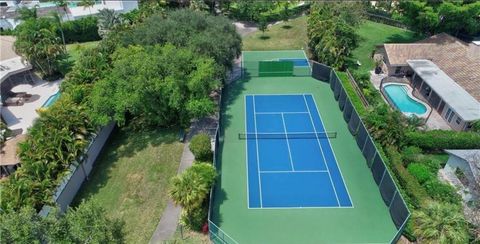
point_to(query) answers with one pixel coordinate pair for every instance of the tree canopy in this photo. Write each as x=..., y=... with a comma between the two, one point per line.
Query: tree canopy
x=331, y=32
x=432, y=17
x=85, y=224
x=213, y=36
x=440, y=223
x=157, y=85
x=38, y=42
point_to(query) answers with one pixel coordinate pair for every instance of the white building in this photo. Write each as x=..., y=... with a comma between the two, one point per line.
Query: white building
x=73, y=11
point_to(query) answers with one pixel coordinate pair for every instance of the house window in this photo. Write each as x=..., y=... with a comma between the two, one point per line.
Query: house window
x=448, y=113
x=451, y=117
x=398, y=69
x=458, y=120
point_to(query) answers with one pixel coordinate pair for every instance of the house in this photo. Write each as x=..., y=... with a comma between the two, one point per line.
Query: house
x=8, y=9
x=463, y=167
x=444, y=70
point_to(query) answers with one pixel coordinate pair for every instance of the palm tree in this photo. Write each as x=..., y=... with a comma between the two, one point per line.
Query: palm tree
x=25, y=13
x=87, y=4
x=440, y=223
x=58, y=21
x=191, y=188
x=62, y=4
x=107, y=20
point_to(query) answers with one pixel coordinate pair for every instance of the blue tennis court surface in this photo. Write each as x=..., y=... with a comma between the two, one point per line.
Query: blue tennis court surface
x=290, y=171
x=299, y=62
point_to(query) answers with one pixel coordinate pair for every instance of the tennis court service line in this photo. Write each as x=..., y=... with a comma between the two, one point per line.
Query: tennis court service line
x=330, y=145
x=282, y=112
x=288, y=143
x=258, y=158
x=321, y=150
x=297, y=171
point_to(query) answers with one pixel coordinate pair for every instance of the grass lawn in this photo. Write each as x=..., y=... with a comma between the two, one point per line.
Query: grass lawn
x=289, y=36
x=131, y=177
x=186, y=236
x=373, y=34
x=74, y=49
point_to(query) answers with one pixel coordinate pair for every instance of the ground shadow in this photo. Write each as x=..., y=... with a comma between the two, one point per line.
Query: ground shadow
x=397, y=38
x=264, y=37
x=286, y=27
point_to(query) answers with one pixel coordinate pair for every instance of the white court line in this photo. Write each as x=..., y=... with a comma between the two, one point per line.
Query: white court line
x=321, y=150
x=275, y=94
x=246, y=152
x=288, y=143
x=281, y=113
x=299, y=207
x=258, y=159
x=277, y=133
x=307, y=60
x=297, y=171
x=330, y=145
x=276, y=51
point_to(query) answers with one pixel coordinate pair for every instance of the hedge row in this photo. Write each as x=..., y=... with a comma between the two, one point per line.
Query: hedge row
x=441, y=139
x=415, y=192
x=81, y=30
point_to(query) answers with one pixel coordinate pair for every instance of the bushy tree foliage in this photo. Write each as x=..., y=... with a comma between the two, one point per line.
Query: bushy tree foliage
x=108, y=19
x=57, y=139
x=386, y=126
x=157, y=85
x=201, y=147
x=440, y=223
x=331, y=32
x=441, y=16
x=213, y=36
x=39, y=43
x=85, y=224
x=190, y=190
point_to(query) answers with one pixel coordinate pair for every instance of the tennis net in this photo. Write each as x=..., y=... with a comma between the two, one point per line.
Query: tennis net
x=308, y=135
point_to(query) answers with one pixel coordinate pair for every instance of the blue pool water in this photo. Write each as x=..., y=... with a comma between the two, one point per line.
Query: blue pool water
x=399, y=96
x=52, y=4
x=51, y=100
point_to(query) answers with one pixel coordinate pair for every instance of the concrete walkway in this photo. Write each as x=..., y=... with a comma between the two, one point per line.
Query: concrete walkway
x=168, y=223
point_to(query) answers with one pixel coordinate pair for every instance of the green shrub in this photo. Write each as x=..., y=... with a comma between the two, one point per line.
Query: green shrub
x=195, y=218
x=442, y=192
x=420, y=172
x=81, y=30
x=201, y=147
x=411, y=154
x=443, y=139
x=415, y=192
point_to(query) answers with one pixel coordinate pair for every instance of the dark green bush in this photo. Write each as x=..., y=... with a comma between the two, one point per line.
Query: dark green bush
x=442, y=192
x=201, y=147
x=411, y=154
x=195, y=219
x=415, y=192
x=420, y=172
x=81, y=30
x=443, y=139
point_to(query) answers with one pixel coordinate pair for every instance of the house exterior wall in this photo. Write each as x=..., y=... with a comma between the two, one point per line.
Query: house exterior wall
x=436, y=102
x=455, y=162
x=452, y=118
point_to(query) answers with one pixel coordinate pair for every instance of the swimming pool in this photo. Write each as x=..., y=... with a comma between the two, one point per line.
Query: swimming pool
x=403, y=100
x=70, y=4
x=52, y=99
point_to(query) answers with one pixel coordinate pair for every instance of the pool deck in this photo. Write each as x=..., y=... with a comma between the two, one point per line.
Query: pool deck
x=22, y=117
x=434, y=121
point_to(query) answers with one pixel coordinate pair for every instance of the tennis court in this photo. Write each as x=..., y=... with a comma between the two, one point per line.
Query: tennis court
x=289, y=169
x=290, y=161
